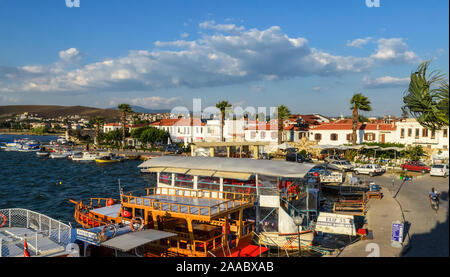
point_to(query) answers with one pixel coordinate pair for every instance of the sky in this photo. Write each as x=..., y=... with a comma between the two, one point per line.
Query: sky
x=311, y=56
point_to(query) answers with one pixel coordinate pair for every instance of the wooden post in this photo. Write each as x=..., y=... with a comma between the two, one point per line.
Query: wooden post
x=228, y=151
x=211, y=151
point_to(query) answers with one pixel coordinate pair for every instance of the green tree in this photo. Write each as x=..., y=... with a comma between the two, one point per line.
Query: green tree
x=283, y=113
x=222, y=106
x=358, y=103
x=124, y=109
x=98, y=122
x=427, y=98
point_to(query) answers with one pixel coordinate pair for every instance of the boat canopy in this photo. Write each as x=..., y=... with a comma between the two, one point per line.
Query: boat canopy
x=132, y=240
x=230, y=165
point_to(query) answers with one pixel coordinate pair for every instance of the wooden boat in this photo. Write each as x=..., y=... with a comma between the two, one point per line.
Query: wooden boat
x=196, y=196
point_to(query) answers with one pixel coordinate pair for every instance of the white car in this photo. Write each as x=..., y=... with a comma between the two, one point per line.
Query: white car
x=371, y=169
x=439, y=170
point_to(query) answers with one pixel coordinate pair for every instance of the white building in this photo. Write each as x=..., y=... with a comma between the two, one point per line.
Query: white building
x=111, y=127
x=411, y=133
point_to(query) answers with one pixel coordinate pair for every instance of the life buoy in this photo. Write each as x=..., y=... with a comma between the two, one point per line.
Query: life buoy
x=103, y=236
x=141, y=224
x=4, y=219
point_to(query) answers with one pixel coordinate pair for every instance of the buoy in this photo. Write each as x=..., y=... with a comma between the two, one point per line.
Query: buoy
x=60, y=182
x=110, y=202
x=25, y=249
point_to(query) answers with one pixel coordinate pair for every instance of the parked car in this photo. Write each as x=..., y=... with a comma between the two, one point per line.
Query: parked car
x=371, y=169
x=333, y=158
x=341, y=165
x=439, y=170
x=173, y=149
x=295, y=157
x=416, y=166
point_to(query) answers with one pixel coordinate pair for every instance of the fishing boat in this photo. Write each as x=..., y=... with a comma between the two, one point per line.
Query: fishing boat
x=84, y=156
x=25, y=233
x=205, y=206
x=60, y=154
x=110, y=158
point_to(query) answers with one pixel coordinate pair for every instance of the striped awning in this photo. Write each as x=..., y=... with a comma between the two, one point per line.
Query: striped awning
x=233, y=175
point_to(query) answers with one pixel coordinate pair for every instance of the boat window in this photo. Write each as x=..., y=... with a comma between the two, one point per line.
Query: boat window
x=184, y=181
x=268, y=185
x=165, y=178
x=239, y=186
x=209, y=183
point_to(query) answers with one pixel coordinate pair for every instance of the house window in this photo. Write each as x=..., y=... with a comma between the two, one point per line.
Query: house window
x=263, y=135
x=349, y=137
x=369, y=137
x=445, y=133
x=417, y=133
x=253, y=135
x=433, y=134
x=424, y=132
x=409, y=132
x=334, y=137
x=402, y=133
x=274, y=135
x=317, y=137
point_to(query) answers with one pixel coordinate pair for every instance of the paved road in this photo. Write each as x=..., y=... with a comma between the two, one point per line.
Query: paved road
x=428, y=230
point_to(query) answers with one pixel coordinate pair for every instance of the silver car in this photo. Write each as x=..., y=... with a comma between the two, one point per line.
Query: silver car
x=342, y=165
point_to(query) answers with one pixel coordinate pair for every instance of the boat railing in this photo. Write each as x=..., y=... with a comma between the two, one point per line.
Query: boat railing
x=231, y=200
x=82, y=215
x=42, y=225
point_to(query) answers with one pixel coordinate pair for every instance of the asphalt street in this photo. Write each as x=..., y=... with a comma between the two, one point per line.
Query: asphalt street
x=427, y=230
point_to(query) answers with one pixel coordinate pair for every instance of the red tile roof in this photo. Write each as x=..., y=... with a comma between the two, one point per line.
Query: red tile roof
x=344, y=125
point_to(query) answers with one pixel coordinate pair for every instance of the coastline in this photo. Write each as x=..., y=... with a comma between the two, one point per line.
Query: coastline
x=7, y=132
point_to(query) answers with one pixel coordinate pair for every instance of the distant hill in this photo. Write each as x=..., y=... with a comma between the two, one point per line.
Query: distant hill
x=138, y=109
x=56, y=111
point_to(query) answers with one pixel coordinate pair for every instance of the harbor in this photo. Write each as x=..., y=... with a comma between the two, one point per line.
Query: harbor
x=159, y=186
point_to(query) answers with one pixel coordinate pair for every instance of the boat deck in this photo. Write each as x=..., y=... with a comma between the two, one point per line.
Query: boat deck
x=186, y=205
x=12, y=243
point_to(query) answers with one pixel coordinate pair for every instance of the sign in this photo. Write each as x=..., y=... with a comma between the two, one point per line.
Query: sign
x=336, y=224
x=397, y=233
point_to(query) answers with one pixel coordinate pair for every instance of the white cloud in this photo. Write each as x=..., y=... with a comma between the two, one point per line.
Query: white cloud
x=147, y=102
x=359, y=42
x=184, y=35
x=394, y=50
x=385, y=82
x=232, y=55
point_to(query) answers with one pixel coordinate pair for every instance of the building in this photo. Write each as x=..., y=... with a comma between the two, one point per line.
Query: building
x=340, y=132
x=109, y=127
x=182, y=129
x=411, y=133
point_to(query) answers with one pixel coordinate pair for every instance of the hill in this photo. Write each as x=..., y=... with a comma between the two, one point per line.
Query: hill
x=138, y=109
x=56, y=111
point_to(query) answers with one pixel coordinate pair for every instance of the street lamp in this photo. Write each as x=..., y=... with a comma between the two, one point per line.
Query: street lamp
x=298, y=220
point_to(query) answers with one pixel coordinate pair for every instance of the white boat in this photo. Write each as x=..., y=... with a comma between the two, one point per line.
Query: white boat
x=42, y=154
x=26, y=233
x=84, y=156
x=60, y=154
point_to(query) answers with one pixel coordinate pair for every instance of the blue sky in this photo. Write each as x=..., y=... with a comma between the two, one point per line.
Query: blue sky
x=309, y=55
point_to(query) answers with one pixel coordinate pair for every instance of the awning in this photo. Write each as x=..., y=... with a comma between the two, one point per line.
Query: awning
x=132, y=240
x=153, y=169
x=233, y=175
x=200, y=172
x=176, y=170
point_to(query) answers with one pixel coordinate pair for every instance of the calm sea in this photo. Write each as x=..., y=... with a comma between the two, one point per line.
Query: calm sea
x=44, y=185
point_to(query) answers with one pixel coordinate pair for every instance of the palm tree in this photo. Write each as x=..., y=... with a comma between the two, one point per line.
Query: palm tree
x=282, y=114
x=358, y=103
x=427, y=98
x=222, y=106
x=124, y=109
x=97, y=121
